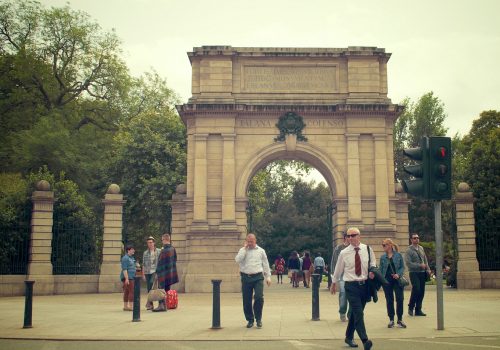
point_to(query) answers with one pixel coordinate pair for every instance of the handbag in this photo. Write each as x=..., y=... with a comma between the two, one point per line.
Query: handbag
x=156, y=294
x=402, y=281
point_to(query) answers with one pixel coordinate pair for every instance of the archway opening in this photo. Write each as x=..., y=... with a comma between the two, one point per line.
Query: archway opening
x=291, y=209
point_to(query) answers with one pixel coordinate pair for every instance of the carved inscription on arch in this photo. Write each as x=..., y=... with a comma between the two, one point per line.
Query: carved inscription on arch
x=271, y=123
x=290, y=79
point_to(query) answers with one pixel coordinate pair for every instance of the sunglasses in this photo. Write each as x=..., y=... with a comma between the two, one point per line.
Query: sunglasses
x=350, y=236
x=415, y=238
x=384, y=245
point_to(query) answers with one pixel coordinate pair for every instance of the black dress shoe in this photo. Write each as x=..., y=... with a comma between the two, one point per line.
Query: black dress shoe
x=351, y=343
x=420, y=313
x=410, y=312
x=259, y=324
x=250, y=324
x=367, y=345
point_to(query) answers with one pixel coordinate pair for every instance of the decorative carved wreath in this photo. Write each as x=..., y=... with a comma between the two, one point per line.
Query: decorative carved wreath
x=290, y=123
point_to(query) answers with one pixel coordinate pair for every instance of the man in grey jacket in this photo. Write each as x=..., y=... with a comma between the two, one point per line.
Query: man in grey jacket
x=418, y=267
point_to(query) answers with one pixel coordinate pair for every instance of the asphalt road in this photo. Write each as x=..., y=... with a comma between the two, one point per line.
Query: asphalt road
x=458, y=343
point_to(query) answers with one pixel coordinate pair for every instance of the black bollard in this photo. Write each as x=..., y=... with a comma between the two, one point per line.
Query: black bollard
x=28, y=303
x=136, y=314
x=315, y=296
x=216, y=304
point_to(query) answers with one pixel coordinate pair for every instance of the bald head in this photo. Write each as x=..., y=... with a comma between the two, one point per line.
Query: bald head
x=251, y=241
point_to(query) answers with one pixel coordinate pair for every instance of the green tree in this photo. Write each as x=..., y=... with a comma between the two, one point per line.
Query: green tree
x=423, y=118
x=62, y=83
x=482, y=172
x=288, y=213
x=149, y=161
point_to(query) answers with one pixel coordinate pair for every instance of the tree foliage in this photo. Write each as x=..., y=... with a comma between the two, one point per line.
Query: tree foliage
x=150, y=161
x=289, y=214
x=422, y=118
x=481, y=170
x=62, y=83
x=69, y=105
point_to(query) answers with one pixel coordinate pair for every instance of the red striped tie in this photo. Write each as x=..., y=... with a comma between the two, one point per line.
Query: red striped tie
x=357, y=262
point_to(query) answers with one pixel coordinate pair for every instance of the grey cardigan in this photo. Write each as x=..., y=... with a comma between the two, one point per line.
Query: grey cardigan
x=414, y=257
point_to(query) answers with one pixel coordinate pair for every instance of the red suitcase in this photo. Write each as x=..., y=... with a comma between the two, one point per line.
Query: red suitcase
x=172, y=299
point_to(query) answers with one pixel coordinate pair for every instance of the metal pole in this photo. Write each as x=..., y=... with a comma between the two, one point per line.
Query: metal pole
x=136, y=314
x=216, y=304
x=315, y=296
x=28, y=304
x=439, y=264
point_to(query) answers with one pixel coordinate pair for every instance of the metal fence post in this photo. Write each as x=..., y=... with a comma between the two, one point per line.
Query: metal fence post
x=136, y=317
x=315, y=296
x=28, y=304
x=216, y=304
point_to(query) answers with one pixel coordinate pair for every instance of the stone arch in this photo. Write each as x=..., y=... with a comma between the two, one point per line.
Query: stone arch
x=304, y=152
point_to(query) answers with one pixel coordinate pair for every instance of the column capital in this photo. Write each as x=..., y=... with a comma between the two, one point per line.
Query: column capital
x=113, y=199
x=43, y=196
x=200, y=137
x=228, y=137
x=352, y=136
x=463, y=197
x=380, y=137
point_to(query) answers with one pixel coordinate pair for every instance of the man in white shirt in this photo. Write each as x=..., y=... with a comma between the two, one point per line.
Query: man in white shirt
x=254, y=267
x=353, y=264
x=319, y=266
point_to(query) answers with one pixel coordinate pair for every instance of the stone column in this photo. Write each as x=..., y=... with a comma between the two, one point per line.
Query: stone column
x=200, y=183
x=353, y=180
x=39, y=263
x=109, y=279
x=382, y=221
x=468, y=274
x=228, y=221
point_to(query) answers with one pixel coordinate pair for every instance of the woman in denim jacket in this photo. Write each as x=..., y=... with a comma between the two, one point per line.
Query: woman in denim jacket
x=392, y=268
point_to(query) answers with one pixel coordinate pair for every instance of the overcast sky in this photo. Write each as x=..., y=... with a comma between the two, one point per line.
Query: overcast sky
x=451, y=47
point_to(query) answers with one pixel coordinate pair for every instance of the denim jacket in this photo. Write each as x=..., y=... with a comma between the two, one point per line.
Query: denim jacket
x=397, y=259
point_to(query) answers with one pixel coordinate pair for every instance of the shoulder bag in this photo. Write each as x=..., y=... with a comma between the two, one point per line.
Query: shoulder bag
x=156, y=294
x=402, y=281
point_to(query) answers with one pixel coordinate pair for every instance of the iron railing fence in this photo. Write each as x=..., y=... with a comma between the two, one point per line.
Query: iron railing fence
x=488, y=245
x=76, y=247
x=14, y=244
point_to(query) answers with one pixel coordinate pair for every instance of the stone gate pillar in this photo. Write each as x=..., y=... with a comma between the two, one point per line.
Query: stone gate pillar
x=42, y=220
x=468, y=274
x=109, y=278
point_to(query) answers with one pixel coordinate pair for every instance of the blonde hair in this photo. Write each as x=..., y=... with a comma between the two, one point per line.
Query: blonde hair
x=391, y=243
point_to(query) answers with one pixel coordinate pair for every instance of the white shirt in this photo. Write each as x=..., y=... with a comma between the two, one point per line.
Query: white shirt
x=346, y=264
x=253, y=261
x=319, y=262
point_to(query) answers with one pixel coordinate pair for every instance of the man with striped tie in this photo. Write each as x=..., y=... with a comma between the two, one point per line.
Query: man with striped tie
x=353, y=264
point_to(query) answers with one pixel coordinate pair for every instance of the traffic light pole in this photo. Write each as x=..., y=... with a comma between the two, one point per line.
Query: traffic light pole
x=439, y=264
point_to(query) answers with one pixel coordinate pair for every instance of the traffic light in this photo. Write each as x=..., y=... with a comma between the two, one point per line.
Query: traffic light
x=440, y=168
x=419, y=186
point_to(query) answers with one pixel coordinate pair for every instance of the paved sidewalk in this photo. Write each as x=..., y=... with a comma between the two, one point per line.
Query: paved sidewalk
x=287, y=316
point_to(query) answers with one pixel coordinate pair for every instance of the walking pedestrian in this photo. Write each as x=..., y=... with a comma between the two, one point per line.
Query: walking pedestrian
x=354, y=262
x=418, y=266
x=254, y=268
x=393, y=268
